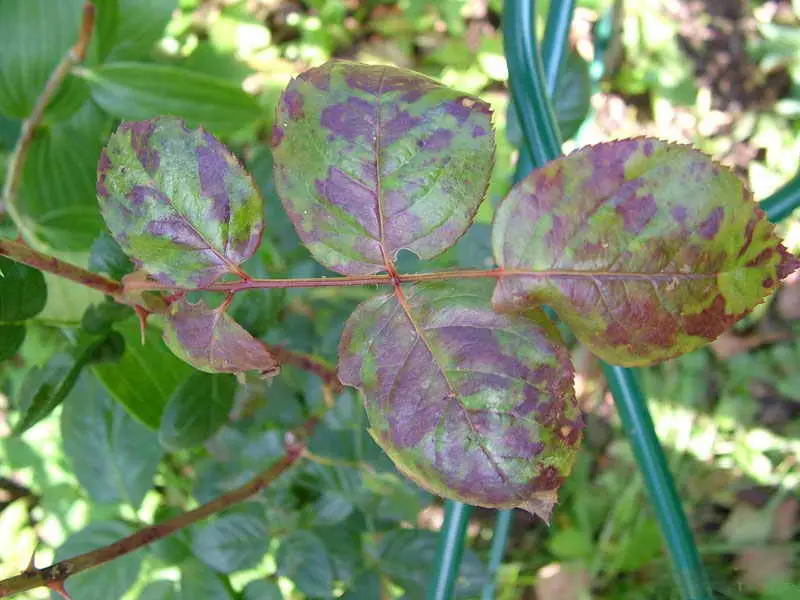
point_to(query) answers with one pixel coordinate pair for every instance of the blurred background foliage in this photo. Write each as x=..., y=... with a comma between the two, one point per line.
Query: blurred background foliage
x=139, y=436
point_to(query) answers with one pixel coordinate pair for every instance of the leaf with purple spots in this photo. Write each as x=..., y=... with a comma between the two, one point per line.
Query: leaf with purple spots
x=211, y=341
x=471, y=404
x=370, y=160
x=647, y=250
x=178, y=202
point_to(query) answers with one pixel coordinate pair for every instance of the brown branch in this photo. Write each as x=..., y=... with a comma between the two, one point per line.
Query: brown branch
x=309, y=363
x=74, y=55
x=60, y=571
x=23, y=253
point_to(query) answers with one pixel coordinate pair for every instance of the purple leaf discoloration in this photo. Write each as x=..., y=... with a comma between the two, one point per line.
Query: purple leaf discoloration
x=637, y=274
x=380, y=153
x=178, y=202
x=350, y=120
x=210, y=340
x=470, y=404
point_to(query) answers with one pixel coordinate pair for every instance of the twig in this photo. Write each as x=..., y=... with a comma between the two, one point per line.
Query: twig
x=23, y=253
x=309, y=363
x=16, y=162
x=58, y=573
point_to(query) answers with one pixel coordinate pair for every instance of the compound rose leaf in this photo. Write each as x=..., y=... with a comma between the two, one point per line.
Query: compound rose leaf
x=373, y=159
x=471, y=404
x=211, y=341
x=178, y=202
x=646, y=249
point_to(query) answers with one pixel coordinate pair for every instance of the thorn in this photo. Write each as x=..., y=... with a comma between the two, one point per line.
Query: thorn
x=142, y=314
x=31, y=568
x=58, y=587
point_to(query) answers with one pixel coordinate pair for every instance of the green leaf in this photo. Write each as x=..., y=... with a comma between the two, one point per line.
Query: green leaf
x=178, y=202
x=472, y=405
x=303, y=559
x=645, y=249
x=370, y=160
x=111, y=580
x=146, y=375
x=331, y=508
x=113, y=456
x=107, y=257
x=197, y=409
x=100, y=318
x=141, y=25
x=138, y=91
x=159, y=590
x=11, y=338
x=573, y=95
x=232, y=542
x=572, y=543
x=198, y=582
x=210, y=340
x=261, y=589
x=408, y=555
x=35, y=35
x=106, y=21
x=367, y=586
x=47, y=387
x=23, y=293
x=57, y=193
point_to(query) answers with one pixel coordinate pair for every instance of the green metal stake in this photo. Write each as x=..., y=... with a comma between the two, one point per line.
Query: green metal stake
x=541, y=135
x=499, y=540
x=554, y=43
x=449, y=550
x=783, y=202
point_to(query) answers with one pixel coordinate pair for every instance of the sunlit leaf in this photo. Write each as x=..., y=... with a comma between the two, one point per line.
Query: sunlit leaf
x=113, y=456
x=36, y=34
x=210, y=340
x=647, y=250
x=136, y=91
x=178, y=202
x=470, y=404
x=371, y=159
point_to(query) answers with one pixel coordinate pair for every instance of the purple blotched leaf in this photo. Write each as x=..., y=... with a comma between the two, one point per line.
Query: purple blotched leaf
x=211, y=341
x=647, y=250
x=178, y=202
x=373, y=159
x=471, y=404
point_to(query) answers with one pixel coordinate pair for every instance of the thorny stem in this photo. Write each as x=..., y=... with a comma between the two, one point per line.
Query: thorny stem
x=23, y=253
x=16, y=162
x=55, y=575
x=386, y=279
